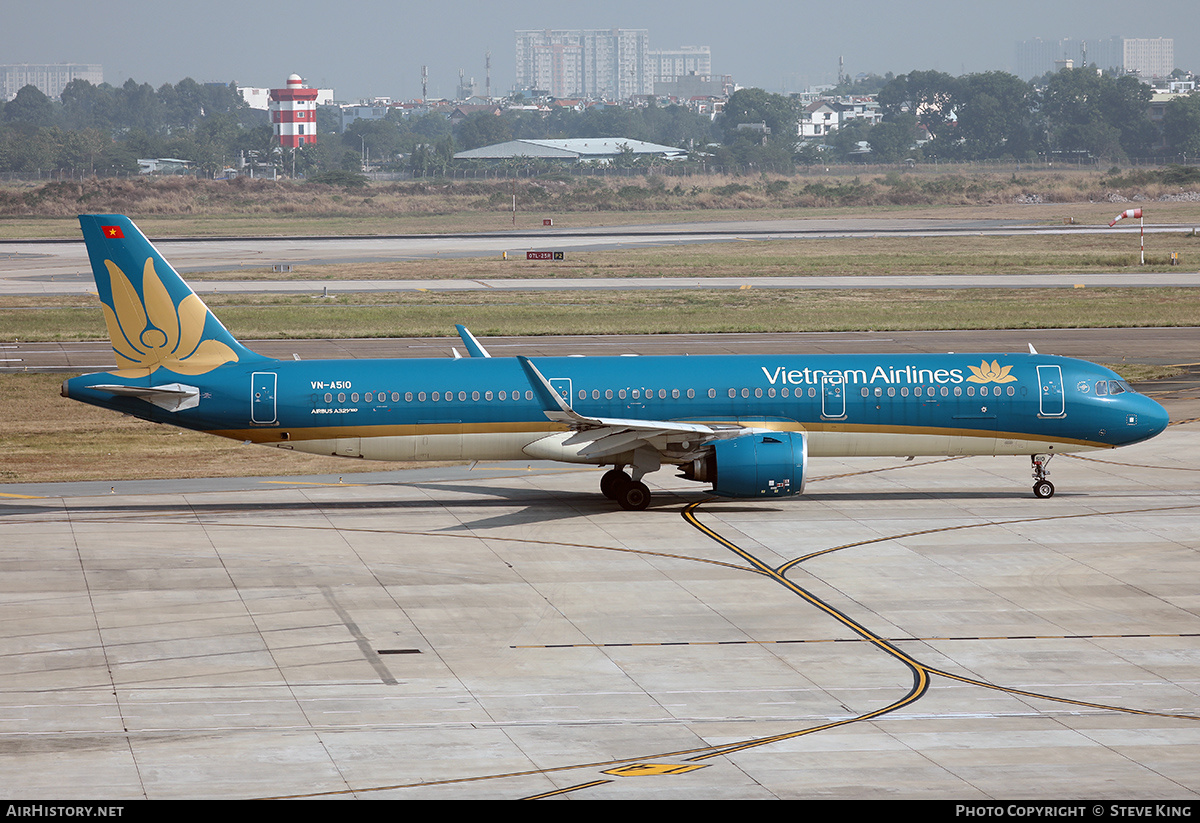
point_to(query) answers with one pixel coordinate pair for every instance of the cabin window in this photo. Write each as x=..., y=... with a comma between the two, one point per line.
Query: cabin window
x=904, y=391
x=528, y=395
x=675, y=394
x=891, y=391
x=879, y=391
x=691, y=393
x=958, y=391
x=608, y=394
x=733, y=392
x=865, y=391
x=758, y=392
x=917, y=391
x=368, y=396
x=662, y=394
x=745, y=392
x=474, y=396
x=487, y=395
x=435, y=397
x=621, y=394
x=784, y=392
x=408, y=397
x=945, y=391
x=970, y=391
x=328, y=397
x=770, y=392
x=712, y=393
x=1011, y=390
x=396, y=396
x=635, y=394
x=341, y=397
x=462, y=397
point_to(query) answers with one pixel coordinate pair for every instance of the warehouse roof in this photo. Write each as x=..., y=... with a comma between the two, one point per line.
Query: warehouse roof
x=581, y=148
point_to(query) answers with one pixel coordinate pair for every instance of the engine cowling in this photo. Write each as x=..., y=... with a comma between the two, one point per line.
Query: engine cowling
x=754, y=465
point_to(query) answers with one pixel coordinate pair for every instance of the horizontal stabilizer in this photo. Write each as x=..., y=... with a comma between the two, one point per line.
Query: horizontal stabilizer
x=173, y=396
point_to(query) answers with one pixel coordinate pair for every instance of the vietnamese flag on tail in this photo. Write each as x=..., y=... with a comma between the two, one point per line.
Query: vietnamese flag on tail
x=113, y=232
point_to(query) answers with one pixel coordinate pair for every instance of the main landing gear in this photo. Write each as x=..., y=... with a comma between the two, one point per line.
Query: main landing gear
x=1041, y=486
x=632, y=495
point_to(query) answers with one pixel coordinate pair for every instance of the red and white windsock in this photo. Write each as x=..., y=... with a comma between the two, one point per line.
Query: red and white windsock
x=1126, y=213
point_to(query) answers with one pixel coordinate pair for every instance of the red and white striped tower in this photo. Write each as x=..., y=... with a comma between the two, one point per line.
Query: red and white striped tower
x=294, y=114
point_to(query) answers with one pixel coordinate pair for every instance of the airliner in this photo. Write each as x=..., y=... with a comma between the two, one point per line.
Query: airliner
x=747, y=425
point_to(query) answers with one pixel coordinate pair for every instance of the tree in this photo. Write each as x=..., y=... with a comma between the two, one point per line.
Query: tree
x=780, y=113
x=379, y=138
x=482, y=128
x=1181, y=124
x=1102, y=115
x=993, y=113
x=930, y=96
x=87, y=106
x=756, y=147
x=30, y=108
x=892, y=141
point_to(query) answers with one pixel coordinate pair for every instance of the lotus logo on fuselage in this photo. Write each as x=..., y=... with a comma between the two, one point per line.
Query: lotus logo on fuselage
x=150, y=331
x=990, y=373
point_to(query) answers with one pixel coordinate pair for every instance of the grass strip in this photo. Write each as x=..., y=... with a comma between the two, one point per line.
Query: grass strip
x=433, y=314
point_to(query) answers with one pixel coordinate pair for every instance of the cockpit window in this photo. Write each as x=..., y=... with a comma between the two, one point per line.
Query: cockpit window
x=1117, y=387
x=1101, y=388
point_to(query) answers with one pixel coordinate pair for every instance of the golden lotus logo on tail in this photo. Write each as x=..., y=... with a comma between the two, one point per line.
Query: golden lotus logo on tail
x=151, y=331
x=990, y=373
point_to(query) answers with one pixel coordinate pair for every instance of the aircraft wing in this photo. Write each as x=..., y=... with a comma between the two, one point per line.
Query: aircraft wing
x=603, y=436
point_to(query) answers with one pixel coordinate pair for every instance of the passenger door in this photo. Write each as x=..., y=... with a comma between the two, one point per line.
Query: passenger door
x=1051, y=400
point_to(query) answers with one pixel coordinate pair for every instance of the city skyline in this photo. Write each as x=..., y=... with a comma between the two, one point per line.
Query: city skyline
x=379, y=49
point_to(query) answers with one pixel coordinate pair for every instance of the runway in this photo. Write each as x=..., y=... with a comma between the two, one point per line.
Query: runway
x=904, y=630
x=59, y=267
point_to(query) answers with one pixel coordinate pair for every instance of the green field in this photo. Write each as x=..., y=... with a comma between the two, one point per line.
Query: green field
x=488, y=313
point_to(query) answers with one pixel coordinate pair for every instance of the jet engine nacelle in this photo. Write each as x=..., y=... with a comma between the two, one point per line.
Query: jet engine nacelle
x=754, y=465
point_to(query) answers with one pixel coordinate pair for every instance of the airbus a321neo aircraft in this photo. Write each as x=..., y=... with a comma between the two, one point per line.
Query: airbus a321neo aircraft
x=746, y=424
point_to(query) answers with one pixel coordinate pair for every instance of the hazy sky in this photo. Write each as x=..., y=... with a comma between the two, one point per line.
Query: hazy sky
x=377, y=47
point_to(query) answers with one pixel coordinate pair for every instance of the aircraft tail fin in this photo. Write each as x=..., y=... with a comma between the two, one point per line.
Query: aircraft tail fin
x=154, y=318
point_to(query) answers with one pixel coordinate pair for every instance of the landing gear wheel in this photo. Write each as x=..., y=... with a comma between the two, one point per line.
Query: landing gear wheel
x=611, y=482
x=633, y=496
x=1042, y=487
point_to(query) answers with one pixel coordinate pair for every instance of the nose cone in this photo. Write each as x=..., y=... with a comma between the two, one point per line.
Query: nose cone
x=1156, y=418
x=1144, y=418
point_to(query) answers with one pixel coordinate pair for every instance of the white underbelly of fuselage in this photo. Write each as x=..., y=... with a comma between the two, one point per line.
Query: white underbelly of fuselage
x=543, y=446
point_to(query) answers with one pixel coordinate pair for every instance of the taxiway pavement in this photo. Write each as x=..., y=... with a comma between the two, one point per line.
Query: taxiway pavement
x=503, y=631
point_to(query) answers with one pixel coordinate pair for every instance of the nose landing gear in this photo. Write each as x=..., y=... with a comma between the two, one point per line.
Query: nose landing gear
x=1041, y=486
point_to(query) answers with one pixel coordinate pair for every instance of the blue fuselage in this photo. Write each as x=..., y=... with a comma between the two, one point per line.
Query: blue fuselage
x=486, y=408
